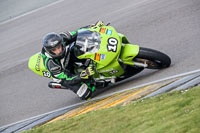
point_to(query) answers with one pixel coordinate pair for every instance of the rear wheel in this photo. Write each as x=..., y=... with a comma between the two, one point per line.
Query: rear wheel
x=151, y=59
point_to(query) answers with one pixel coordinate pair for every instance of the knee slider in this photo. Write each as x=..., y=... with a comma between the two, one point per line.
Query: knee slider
x=84, y=92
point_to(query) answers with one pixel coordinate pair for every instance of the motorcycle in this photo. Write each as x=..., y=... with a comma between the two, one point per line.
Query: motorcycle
x=112, y=55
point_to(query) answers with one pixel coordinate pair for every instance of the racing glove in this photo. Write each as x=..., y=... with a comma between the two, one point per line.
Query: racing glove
x=89, y=71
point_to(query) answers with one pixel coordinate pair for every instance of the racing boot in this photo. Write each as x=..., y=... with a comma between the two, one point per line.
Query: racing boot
x=56, y=85
x=85, y=91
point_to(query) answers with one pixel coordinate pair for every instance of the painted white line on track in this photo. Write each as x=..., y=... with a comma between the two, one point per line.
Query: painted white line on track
x=56, y=2
x=157, y=81
x=45, y=114
x=139, y=3
x=153, y=82
x=35, y=10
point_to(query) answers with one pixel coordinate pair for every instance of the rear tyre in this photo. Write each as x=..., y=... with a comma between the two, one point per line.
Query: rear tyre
x=152, y=58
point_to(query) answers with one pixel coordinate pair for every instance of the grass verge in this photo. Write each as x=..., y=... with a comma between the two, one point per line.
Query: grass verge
x=170, y=112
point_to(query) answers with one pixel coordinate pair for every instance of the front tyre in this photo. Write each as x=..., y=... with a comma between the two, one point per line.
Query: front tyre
x=152, y=59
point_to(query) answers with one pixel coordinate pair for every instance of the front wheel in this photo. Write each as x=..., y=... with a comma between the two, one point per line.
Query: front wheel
x=151, y=59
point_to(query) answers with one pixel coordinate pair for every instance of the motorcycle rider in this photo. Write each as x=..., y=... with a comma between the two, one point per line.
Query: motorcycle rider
x=59, y=62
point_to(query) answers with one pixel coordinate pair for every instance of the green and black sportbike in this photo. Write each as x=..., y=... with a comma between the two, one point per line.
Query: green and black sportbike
x=110, y=52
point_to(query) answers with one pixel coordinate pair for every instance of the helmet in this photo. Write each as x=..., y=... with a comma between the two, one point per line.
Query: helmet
x=51, y=41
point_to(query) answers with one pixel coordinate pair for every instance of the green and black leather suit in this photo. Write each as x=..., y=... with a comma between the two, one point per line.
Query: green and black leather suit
x=62, y=68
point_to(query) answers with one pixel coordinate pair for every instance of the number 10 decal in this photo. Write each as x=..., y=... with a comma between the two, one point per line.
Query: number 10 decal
x=112, y=44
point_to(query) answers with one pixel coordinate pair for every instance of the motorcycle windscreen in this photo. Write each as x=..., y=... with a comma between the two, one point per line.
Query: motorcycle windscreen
x=87, y=42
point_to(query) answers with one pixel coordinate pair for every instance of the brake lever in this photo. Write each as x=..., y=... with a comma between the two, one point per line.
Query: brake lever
x=107, y=24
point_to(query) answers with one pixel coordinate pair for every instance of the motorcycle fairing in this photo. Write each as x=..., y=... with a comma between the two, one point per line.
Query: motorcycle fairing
x=36, y=65
x=107, y=56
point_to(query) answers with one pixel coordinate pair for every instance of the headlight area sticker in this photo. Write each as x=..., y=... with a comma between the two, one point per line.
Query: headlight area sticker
x=99, y=56
x=103, y=56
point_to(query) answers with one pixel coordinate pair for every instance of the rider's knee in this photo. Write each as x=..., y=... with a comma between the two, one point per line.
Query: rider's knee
x=84, y=92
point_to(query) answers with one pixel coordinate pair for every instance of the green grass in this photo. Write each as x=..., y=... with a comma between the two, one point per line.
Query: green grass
x=177, y=112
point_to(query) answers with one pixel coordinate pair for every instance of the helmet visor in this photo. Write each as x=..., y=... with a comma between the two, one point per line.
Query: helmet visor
x=57, y=50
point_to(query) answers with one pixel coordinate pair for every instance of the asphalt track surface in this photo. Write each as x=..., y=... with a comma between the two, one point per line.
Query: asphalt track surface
x=172, y=27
